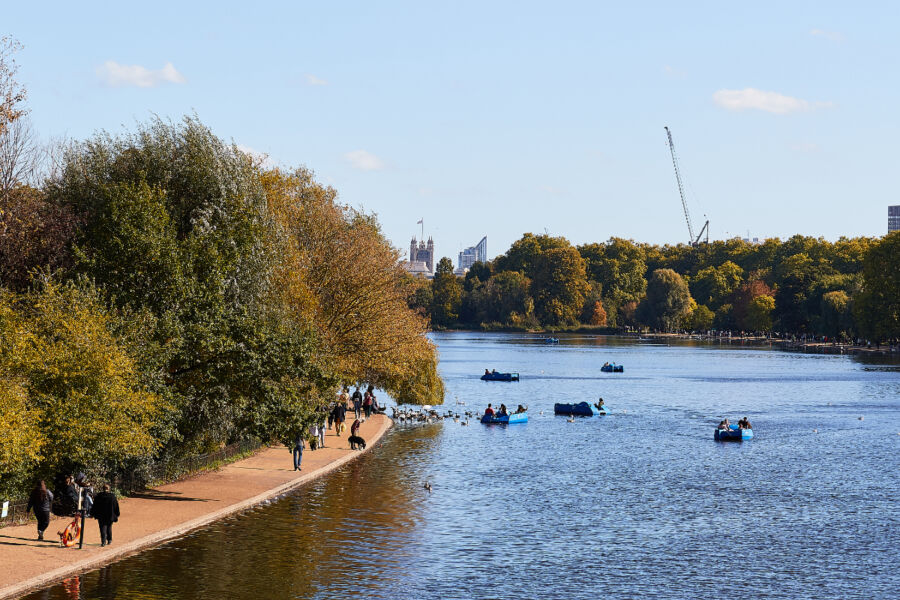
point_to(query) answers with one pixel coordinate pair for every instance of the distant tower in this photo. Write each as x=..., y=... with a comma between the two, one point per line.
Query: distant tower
x=430, y=254
x=412, y=250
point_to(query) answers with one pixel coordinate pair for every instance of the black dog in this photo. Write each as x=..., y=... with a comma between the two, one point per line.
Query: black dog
x=357, y=443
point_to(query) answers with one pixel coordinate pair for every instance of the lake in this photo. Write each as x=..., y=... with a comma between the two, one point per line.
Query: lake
x=639, y=503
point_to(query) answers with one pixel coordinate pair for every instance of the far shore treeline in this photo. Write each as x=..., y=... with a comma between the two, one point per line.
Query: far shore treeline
x=845, y=290
x=162, y=294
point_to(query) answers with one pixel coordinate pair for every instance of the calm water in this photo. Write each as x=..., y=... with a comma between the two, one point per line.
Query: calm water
x=640, y=503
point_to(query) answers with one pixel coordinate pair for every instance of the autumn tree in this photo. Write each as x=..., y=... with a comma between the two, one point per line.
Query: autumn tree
x=339, y=273
x=73, y=391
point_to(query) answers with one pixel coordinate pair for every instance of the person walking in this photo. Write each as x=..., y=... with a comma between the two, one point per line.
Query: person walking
x=299, y=445
x=40, y=501
x=322, y=434
x=367, y=401
x=340, y=415
x=106, y=511
x=344, y=397
x=357, y=402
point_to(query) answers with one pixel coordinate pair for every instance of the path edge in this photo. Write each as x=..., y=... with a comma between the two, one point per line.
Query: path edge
x=155, y=539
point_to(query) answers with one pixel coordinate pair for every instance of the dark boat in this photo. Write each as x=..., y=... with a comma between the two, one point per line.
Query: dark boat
x=579, y=409
x=551, y=340
x=500, y=376
x=613, y=368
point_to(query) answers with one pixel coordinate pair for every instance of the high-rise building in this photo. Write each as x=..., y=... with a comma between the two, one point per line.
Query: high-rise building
x=893, y=218
x=472, y=255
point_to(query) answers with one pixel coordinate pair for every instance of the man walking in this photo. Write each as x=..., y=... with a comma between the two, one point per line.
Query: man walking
x=299, y=445
x=106, y=511
x=357, y=402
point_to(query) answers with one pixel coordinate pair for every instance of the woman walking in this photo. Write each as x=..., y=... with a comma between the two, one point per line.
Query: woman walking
x=40, y=502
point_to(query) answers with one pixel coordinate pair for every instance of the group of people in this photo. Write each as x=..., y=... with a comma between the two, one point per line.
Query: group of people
x=502, y=411
x=742, y=424
x=75, y=495
x=363, y=406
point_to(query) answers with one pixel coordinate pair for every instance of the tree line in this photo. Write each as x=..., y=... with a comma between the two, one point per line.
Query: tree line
x=162, y=294
x=846, y=289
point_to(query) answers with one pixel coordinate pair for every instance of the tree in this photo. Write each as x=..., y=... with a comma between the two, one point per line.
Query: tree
x=619, y=266
x=35, y=233
x=559, y=286
x=759, y=313
x=877, y=309
x=598, y=315
x=712, y=285
x=446, y=295
x=701, y=318
x=741, y=300
x=667, y=300
x=76, y=397
x=836, y=318
x=338, y=273
x=12, y=93
x=523, y=255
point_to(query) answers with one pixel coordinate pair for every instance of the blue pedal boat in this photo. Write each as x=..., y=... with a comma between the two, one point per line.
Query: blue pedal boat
x=510, y=419
x=500, y=377
x=613, y=368
x=579, y=409
x=733, y=434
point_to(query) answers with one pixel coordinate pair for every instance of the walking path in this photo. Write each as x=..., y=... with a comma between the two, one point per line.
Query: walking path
x=159, y=514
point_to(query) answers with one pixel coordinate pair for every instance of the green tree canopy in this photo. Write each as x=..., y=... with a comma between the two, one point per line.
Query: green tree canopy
x=667, y=300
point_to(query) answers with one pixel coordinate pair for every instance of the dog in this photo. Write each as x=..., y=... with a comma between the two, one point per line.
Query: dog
x=357, y=443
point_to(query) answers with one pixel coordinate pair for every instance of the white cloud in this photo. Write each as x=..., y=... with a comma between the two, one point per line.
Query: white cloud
x=834, y=36
x=115, y=75
x=364, y=161
x=313, y=80
x=773, y=102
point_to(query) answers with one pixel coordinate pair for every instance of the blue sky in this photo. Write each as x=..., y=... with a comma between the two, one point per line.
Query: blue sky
x=498, y=118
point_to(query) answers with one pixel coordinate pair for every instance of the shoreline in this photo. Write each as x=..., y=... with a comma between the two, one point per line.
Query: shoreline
x=775, y=343
x=179, y=508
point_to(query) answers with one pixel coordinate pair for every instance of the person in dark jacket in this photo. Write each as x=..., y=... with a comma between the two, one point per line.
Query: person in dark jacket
x=68, y=497
x=106, y=511
x=40, y=501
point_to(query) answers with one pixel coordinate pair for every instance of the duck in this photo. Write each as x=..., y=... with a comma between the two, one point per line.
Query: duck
x=427, y=485
x=570, y=420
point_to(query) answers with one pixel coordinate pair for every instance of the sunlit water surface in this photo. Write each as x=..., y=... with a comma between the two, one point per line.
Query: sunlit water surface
x=640, y=503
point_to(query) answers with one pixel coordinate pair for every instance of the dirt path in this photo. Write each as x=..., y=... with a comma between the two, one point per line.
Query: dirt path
x=169, y=511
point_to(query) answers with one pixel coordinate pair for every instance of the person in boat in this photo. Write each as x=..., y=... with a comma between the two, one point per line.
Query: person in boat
x=744, y=424
x=494, y=372
x=606, y=364
x=723, y=425
x=503, y=411
x=487, y=371
x=521, y=409
x=599, y=404
x=489, y=411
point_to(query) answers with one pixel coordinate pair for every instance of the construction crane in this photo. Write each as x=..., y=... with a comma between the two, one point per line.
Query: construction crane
x=693, y=241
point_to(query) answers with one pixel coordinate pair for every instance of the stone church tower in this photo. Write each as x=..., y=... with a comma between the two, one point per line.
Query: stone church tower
x=422, y=252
